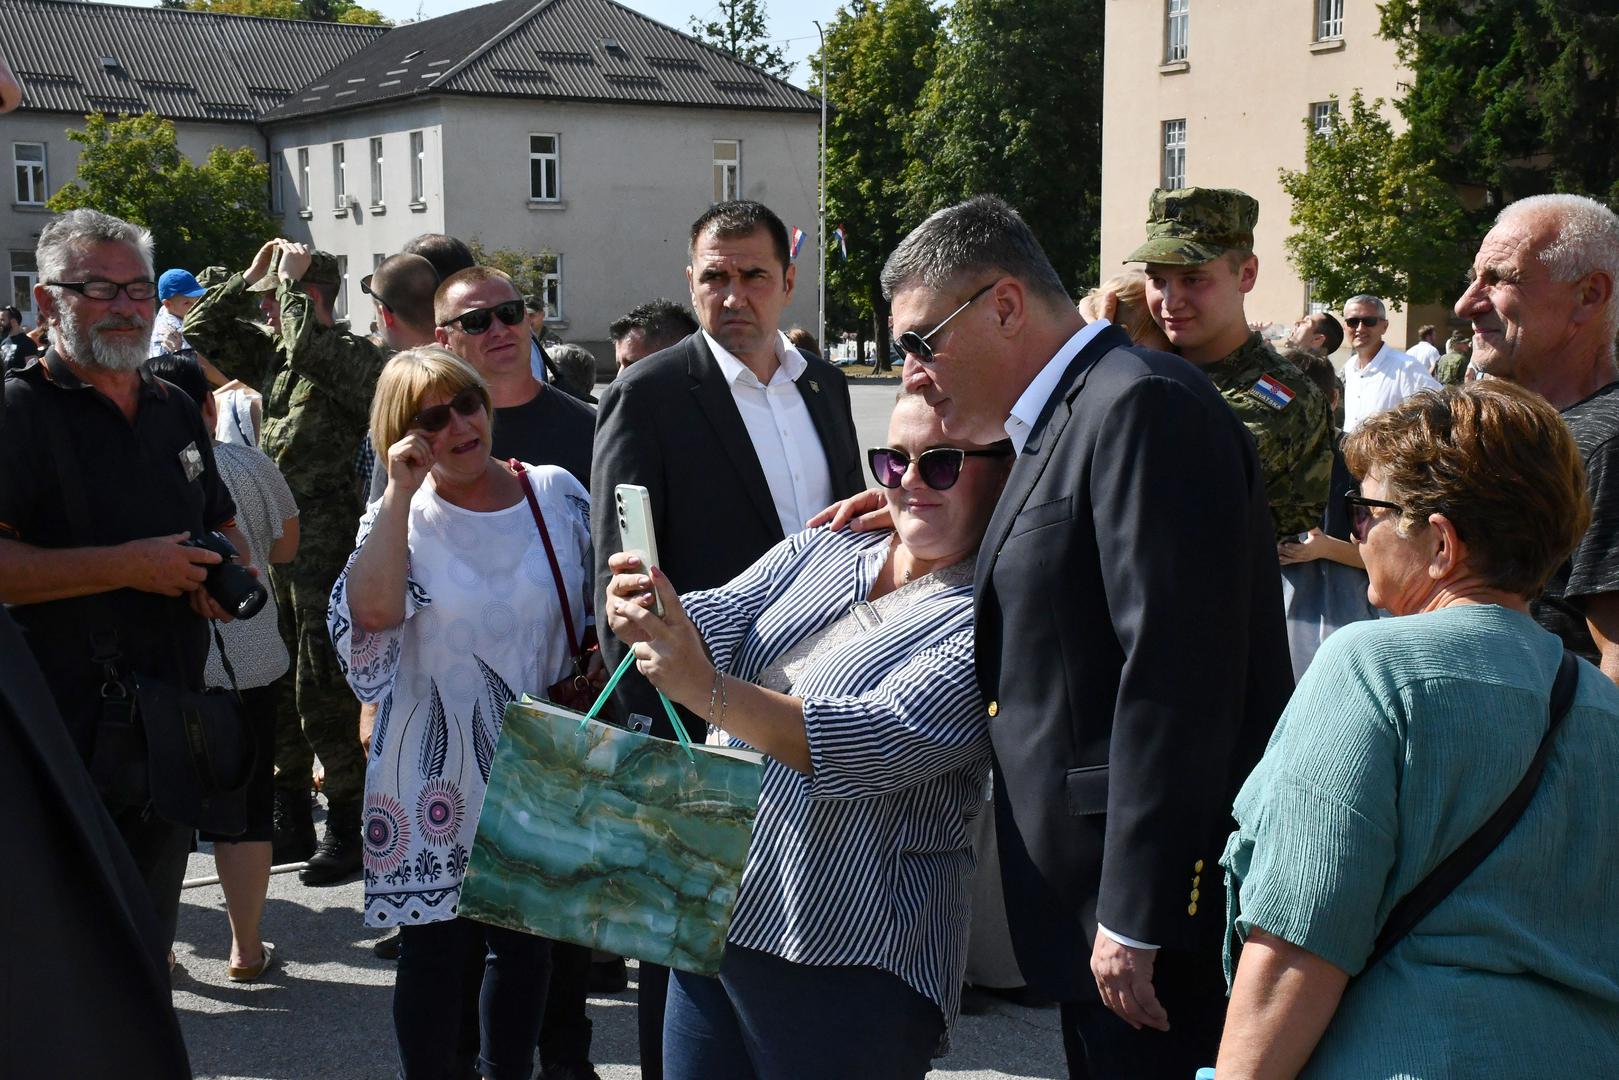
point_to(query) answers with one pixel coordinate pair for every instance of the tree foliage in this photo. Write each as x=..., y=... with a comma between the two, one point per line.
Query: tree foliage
x=199, y=215
x=1371, y=214
x=1014, y=108
x=742, y=29
x=1519, y=96
x=527, y=269
x=879, y=54
x=339, y=11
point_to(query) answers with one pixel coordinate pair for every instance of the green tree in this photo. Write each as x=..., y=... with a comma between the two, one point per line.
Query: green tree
x=879, y=54
x=527, y=269
x=1371, y=214
x=342, y=11
x=200, y=215
x=1517, y=96
x=742, y=29
x=1014, y=108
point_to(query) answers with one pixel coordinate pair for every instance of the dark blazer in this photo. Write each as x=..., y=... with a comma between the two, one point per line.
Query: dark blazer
x=669, y=423
x=1132, y=654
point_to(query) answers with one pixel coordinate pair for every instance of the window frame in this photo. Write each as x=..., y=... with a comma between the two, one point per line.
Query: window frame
x=340, y=187
x=1167, y=148
x=340, y=309
x=1329, y=20
x=1324, y=110
x=39, y=186
x=278, y=197
x=726, y=191
x=304, y=203
x=1177, y=27
x=551, y=291
x=418, y=167
x=376, y=156
x=27, y=274
x=543, y=158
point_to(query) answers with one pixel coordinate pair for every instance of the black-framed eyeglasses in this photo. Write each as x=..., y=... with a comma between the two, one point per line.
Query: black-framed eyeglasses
x=478, y=320
x=1355, y=322
x=436, y=417
x=365, y=287
x=1360, y=513
x=144, y=289
x=939, y=468
x=917, y=344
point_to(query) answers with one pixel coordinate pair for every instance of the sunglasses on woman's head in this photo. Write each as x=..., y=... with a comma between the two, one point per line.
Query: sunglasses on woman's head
x=939, y=468
x=478, y=320
x=436, y=417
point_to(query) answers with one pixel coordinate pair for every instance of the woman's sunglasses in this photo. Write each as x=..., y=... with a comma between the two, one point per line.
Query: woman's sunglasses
x=436, y=417
x=478, y=320
x=1360, y=513
x=939, y=468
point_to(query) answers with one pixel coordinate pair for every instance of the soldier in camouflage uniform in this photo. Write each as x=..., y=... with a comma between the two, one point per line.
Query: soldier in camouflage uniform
x=1200, y=265
x=317, y=380
x=1452, y=367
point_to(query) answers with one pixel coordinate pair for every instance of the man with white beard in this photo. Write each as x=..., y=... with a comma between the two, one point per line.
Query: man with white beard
x=107, y=471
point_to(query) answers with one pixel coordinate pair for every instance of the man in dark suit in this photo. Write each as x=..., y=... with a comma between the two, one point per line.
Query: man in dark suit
x=739, y=438
x=1130, y=642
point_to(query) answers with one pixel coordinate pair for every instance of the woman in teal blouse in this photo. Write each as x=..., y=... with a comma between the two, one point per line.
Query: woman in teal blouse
x=1403, y=737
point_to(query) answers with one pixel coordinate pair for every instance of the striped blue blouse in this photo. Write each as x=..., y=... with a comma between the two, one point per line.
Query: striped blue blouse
x=868, y=861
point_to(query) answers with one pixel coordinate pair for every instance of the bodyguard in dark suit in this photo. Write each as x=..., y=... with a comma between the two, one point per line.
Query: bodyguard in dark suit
x=738, y=437
x=1130, y=641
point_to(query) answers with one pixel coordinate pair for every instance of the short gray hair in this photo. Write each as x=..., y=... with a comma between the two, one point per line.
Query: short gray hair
x=1587, y=241
x=1368, y=298
x=970, y=239
x=85, y=226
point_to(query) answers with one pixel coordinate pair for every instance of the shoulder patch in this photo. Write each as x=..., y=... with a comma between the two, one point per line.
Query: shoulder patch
x=1271, y=392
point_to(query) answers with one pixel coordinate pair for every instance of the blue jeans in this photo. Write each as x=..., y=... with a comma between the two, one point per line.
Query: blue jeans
x=766, y=1018
x=427, y=1006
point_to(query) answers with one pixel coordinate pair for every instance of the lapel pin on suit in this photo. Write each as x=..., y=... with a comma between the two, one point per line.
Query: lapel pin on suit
x=815, y=387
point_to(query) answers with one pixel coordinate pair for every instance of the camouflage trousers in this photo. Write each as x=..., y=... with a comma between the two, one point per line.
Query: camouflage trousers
x=326, y=710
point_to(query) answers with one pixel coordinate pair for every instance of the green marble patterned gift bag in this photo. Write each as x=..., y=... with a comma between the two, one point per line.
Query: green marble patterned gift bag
x=611, y=838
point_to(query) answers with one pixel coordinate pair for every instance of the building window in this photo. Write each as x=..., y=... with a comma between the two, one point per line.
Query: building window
x=28, y=162
x=1329, y=19
x=1323, y=117
x=551, y=290
x=377, y=259
x=303, y=179
x=418, y=168
x=1175, y=30
x=278, y=168
x=1174, y=173
x=542, y=168
x=340, y=188
x=24, y=276
x=376, y=171
x=727, y=170
x=340, y=310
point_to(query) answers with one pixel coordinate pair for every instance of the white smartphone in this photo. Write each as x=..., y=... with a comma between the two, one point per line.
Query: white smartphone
x=635, y=528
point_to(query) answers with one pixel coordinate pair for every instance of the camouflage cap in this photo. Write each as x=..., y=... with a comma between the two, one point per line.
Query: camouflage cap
x=1188, y=226
x=322, y=271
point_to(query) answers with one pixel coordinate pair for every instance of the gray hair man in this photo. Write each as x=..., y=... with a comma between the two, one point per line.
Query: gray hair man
x=1377, y=376
x=1544, y=313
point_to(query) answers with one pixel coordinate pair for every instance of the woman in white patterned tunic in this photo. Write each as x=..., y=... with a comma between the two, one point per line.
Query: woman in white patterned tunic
x=448, y=609
x=846, y=658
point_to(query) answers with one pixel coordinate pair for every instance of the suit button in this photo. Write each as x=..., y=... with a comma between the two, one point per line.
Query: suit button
x=1191, y=909
x=994, y=708
x=1194, y=896
x=1196, y=881
x=1197, y=867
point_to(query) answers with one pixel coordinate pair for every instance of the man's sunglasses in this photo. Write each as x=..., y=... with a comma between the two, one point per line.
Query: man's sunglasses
x=365, y=287
x=939, y=468
x=143, y=289
x=436, y=417
x=1357, y=321
x=917, y=344
x=478, y=320
x=1360, y=513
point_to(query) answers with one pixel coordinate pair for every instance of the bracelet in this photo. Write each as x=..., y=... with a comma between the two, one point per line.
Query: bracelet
x=714, y=694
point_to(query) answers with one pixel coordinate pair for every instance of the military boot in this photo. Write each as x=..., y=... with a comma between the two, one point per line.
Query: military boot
x=294, y=838
x=338, y=857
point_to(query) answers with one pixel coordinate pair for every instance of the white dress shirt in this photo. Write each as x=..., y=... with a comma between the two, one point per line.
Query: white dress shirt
x=1025, y=413
x=1381, y=383
x=1425, y=354
x=783, y=435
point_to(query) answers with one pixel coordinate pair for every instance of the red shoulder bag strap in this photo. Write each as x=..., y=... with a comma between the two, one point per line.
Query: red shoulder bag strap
x=574, y=647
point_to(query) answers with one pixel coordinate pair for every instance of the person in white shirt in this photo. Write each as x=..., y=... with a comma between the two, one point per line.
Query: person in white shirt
x=1377, y=376
x=177, y=293
x=1425, y=352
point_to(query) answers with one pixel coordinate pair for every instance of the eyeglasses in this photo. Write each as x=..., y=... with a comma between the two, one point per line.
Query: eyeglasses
x=1360, y=513
x=939, y=468
x=478, y=320
x=917, y=344
x=365, y=287
x=435, y=417
x=1354, y=322
x=144, y=289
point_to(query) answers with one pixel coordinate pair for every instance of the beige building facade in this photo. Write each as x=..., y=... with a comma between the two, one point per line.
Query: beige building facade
x=1217, y=93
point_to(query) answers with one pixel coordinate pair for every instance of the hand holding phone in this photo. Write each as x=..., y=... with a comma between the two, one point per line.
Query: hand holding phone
x=634, y=504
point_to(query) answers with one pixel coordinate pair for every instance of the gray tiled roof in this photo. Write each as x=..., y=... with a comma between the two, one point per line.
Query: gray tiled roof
x=185, y=65
x=578, y=50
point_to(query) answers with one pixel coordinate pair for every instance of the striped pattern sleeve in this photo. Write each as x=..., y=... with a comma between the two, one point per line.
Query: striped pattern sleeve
x=725, y=615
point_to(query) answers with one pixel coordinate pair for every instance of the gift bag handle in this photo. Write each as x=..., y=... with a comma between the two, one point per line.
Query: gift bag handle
x=668, y=709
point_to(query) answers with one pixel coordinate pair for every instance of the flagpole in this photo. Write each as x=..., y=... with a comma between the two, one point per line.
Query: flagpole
x=820, y=246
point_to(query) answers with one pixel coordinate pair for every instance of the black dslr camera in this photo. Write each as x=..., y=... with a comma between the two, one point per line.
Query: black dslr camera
x=232, y=587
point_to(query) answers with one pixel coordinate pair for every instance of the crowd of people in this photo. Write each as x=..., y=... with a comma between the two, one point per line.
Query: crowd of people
x=1189, y=608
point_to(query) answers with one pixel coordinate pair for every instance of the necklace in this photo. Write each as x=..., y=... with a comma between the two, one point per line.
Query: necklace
x=906, y=574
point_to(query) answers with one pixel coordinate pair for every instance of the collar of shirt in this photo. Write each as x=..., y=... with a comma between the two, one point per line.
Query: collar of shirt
x=791, y=363
x=68, y=379
x=1376, y=364
x=1033, y=402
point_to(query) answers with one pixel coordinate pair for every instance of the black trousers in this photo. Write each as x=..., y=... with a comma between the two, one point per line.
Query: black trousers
x=1191, y=988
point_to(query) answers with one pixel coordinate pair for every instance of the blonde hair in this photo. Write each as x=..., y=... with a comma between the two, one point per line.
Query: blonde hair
x=1132, y=316
x=411, y=376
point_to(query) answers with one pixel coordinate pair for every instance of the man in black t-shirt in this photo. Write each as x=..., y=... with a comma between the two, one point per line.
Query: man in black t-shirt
x=1544, y=310
x=16, y=347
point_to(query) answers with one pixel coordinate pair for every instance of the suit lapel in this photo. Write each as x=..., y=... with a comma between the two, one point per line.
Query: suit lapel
x=713, y=397
x=824, y=415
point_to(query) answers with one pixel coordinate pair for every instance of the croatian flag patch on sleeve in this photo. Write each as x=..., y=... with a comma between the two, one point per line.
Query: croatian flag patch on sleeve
x=1271, y=392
